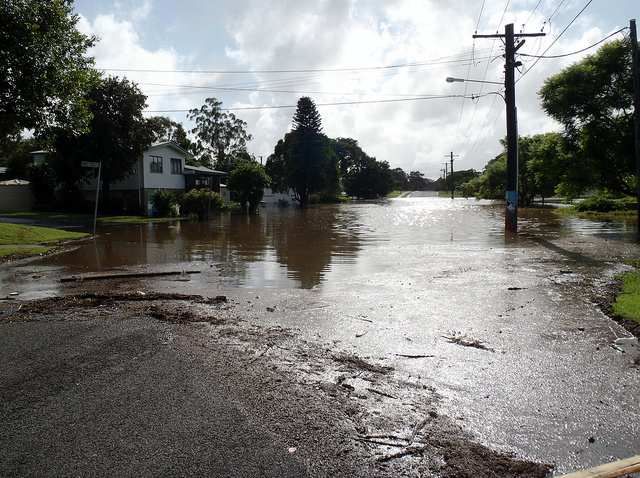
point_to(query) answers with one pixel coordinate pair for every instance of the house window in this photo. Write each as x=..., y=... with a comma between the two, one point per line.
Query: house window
x=176, y=166
x=156, y=164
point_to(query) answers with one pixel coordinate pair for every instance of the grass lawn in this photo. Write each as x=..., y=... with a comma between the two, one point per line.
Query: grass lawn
x=20, y=234
x=627, y=304
x=394, y=194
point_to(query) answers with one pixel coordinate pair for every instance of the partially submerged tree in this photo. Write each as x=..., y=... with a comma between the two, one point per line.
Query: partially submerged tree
x=45, y=72
x=248, y=180
x=309, y=152
x=369, y=179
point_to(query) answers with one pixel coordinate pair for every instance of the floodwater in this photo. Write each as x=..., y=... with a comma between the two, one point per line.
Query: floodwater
x=393, y=277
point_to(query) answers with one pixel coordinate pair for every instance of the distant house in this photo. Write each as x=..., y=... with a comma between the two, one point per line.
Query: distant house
x=162, y=166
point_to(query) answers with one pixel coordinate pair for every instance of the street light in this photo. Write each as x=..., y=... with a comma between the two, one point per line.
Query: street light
x=451, y=79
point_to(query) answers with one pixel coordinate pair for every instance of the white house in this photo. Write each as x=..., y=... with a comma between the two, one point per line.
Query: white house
x=162, y=166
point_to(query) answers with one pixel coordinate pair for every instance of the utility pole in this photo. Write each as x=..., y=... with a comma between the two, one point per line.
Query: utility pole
x=636, y=103
x=446, y=176
x=453, y=185
x=510, y=64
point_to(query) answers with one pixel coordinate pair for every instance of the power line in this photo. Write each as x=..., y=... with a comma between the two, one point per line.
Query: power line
x=575, y=52
x=557, y=38
x=337, y=103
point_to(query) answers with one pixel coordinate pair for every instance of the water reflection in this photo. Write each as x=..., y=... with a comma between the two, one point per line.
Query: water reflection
x=293, y=248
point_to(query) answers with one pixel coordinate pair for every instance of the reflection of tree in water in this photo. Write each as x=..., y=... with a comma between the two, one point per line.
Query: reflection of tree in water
x=306, y=240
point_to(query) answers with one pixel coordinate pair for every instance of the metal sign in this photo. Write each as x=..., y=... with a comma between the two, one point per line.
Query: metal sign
x=89, y=164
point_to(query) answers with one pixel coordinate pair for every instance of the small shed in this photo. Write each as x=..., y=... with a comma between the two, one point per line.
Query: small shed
x=15, y=195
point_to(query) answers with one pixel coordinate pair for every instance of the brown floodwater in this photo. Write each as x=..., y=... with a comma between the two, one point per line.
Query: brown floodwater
x=304, y=249
x=395, y=277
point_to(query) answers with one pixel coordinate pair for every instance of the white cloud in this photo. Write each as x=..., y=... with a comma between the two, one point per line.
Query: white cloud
x=326, y=35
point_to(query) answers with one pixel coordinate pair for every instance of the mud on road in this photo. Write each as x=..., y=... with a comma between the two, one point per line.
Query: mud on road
x=339, y=414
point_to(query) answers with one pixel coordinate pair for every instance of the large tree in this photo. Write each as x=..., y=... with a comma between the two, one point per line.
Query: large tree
x=309, y=159
x=221, y=137
x=165, y=129
x=117, y=138
x=593, y=101
x=362, y=175
x=369, y=179
x=45, y=71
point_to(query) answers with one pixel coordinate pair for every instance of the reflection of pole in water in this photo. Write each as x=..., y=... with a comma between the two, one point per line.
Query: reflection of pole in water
x=95, y=248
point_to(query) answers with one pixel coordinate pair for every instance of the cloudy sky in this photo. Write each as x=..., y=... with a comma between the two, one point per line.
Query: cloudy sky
x=376, y=69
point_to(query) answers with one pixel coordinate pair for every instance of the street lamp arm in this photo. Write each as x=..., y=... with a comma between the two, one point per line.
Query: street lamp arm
x=451, y=79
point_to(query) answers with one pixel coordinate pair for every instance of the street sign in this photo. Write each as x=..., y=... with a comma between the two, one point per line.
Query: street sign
x=89, y=164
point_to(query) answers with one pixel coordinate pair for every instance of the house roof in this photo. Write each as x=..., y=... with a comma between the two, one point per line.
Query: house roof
x=173, y=145
x=202, y=170
x=14, y=182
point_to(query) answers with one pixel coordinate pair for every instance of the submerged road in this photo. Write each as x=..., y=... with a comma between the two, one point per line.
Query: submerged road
x=388, y=280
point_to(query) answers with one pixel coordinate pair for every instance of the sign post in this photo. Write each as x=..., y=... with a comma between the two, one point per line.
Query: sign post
x=92, y=164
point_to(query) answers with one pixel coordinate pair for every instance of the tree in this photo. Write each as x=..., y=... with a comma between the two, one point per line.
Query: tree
x=547, y=164
x=540, y=170
x=593, y=101
x=118, y=137
x=369, y=179
x=165, y=129
x=417, y=181
x=493, y=182
x=309, y=152
x=248, y=180
x=199, y=202
x=221, y=137
x=45, y=73
x=277, y=165
x=400, y=179
x=15, y=155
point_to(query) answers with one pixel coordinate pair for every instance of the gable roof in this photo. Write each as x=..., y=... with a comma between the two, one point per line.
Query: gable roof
x=172, y=145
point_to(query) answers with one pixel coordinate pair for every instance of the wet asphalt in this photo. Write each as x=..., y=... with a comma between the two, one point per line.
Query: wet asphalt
x=105, y=398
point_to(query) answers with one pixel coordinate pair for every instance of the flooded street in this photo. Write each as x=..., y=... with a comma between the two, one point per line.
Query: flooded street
x=395, y=281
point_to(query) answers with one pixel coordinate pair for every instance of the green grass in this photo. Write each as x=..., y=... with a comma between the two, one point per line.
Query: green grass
x=20, y=234
x=84, y=217
x=627, y=303
x=394, y=194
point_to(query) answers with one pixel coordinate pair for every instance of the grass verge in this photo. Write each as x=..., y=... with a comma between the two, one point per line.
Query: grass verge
x=627, y=303
x=21, y=234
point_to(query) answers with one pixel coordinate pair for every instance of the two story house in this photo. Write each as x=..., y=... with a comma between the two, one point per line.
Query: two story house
x=162, y=166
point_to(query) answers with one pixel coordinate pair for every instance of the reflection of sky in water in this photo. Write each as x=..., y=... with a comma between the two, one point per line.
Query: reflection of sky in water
x=304, y=249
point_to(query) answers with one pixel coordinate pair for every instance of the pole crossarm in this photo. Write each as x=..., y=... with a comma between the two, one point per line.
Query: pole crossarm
x=515, y=35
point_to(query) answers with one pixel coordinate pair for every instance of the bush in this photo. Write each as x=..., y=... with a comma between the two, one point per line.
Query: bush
x=196, y=202
x=164, y=203
x=599, y=204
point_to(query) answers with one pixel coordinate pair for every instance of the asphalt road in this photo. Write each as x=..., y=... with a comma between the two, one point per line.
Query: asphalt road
x=115, y=398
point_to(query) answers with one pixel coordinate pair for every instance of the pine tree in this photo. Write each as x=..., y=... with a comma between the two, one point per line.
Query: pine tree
x=307, y=119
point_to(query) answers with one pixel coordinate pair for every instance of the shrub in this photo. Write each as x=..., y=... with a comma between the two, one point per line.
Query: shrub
x=196, y=202
x=599, y=204
x=164, y=203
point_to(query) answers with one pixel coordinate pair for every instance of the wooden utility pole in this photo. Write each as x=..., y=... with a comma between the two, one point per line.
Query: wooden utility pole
x=636, y=104
x=511, y=216
x=453, y=185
